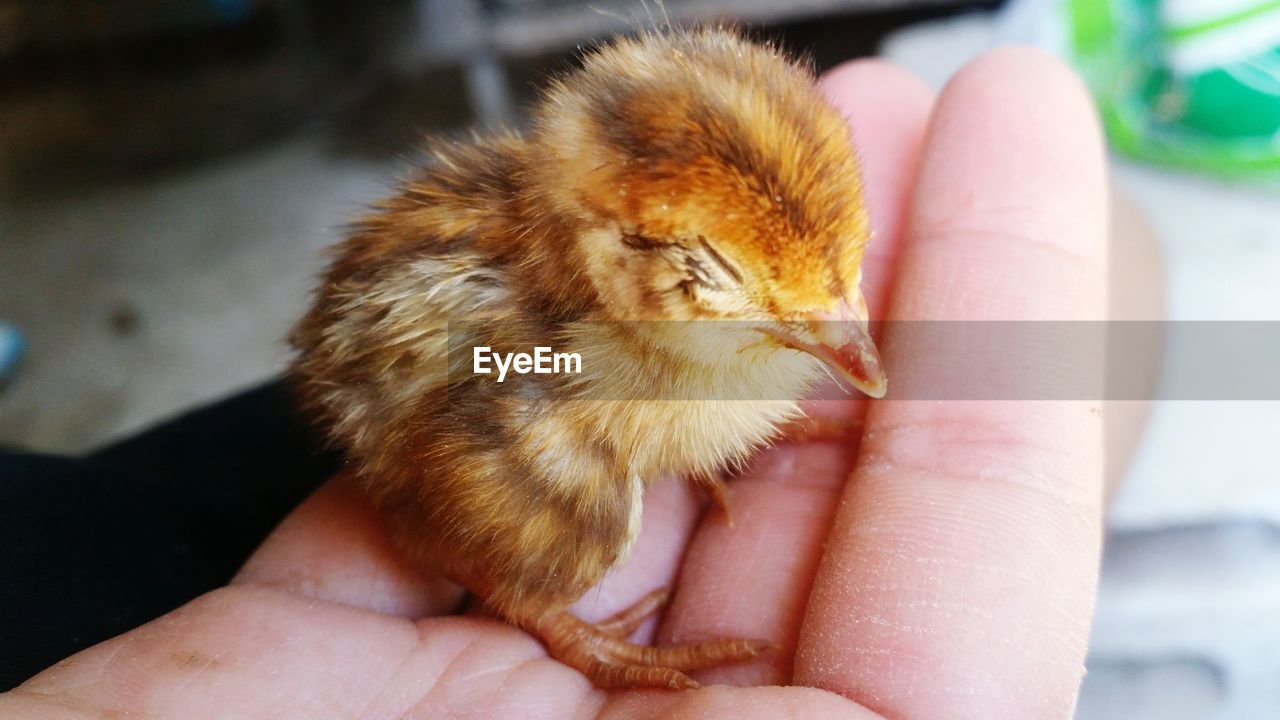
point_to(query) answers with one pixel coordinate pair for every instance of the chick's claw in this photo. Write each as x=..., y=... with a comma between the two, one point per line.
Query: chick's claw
x=720, y=495
x=821, y=428
x=621, y=677
x=625, y=622
x=611, y=662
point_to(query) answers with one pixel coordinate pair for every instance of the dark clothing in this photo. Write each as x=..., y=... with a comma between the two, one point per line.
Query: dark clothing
x=97, y=545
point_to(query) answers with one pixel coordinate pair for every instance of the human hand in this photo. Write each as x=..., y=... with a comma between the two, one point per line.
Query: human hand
x=951, y=575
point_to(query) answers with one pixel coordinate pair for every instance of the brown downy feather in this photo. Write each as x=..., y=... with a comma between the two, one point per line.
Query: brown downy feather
x=682, y=175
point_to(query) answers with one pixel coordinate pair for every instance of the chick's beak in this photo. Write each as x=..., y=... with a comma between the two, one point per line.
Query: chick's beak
x=841, y=340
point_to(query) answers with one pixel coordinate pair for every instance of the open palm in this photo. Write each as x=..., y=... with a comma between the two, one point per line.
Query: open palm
x=939, y=563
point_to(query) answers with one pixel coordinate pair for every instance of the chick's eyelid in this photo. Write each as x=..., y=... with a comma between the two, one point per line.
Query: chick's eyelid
x=636, y=241
x=720, y=260
x=697, y=269
x=699, y=273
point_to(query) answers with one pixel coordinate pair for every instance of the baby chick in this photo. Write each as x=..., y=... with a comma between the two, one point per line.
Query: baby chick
x=685, y=175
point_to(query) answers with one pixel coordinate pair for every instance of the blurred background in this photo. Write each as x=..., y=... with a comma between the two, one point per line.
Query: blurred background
x=170, y=171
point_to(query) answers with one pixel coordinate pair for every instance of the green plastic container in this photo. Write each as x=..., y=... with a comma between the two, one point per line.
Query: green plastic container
x=1193, y=83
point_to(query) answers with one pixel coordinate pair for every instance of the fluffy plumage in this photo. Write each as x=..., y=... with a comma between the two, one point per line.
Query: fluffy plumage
x=684, y=175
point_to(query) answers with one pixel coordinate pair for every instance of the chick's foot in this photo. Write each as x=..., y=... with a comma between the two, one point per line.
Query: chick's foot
x=821, y=428
x=717, y=490
x=599, y=652
x=626, y=621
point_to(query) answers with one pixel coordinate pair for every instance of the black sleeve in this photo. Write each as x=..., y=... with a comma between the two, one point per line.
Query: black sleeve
x=98, y=545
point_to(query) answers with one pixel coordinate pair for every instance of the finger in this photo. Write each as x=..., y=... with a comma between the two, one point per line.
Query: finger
x=766, y=703
x=959, y=576
x=253, y=652
x=1135, y=292
x=752, y=579
x=671, y=509
x=886, y=108
x=256, y=652
x=334, y=547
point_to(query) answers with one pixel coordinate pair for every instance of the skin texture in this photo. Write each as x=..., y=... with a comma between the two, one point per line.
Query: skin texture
x=942, y=563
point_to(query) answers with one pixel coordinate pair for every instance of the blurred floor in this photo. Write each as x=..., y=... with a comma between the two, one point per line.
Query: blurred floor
x=145, y=298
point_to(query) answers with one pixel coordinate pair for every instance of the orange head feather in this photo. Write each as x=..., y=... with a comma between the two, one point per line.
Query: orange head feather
x=714, y=182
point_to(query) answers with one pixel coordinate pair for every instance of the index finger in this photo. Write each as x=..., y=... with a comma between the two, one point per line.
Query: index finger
x=752, y=579
x=960, y=572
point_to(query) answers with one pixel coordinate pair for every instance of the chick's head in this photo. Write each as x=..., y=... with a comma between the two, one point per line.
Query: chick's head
x=712, y=181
